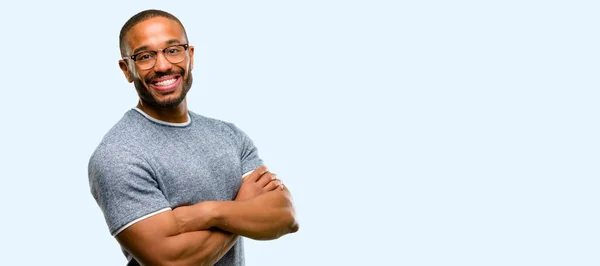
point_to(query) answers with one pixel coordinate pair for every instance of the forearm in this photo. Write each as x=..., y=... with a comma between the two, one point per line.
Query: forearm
x=267, y=216
x=218, y=240
x=165, y=245
x=204, y=247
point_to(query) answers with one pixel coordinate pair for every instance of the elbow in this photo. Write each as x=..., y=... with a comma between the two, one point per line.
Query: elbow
x=285, y=223
x=294, y=227
x=288, y=224
x=289, y=228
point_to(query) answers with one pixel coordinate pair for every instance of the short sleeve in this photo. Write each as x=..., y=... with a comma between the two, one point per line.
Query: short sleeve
x=248, y=152
x=124, y=187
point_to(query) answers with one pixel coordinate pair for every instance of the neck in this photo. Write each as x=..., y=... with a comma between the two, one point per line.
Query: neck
x=178, y=114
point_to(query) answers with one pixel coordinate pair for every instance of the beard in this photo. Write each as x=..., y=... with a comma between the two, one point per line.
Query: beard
x=148, y=99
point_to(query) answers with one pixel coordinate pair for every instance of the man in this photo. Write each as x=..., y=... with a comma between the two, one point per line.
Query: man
x=175, y=187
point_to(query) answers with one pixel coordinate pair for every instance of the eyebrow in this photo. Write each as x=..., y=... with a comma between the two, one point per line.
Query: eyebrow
x=145, y=47
x=139, y=49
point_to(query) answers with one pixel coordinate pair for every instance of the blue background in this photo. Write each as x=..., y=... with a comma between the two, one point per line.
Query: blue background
x=409, y=132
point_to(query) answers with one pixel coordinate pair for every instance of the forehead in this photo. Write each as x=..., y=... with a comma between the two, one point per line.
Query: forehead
x=154, y=33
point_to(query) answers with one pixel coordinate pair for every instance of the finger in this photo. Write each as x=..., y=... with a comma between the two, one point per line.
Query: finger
x=274, y=184
x=266, y=178
x=255, y=174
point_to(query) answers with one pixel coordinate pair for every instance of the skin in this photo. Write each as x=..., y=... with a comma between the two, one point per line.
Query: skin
x=202, y=233
x=154, y=34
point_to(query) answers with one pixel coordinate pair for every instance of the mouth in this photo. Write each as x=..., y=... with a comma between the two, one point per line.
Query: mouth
x=166, y=83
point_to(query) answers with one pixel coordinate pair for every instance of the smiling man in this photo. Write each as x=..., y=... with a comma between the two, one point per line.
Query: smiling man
x=175, y=187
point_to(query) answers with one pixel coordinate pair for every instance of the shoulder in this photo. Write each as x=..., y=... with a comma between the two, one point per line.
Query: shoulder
x=126, y=129
x=214, y=124
x=119, y=143
x=113, y=161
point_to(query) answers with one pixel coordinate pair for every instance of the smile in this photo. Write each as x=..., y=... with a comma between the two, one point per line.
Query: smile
x=166, y=84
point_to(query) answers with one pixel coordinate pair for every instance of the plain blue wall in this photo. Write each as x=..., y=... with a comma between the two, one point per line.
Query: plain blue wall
x=410, y=132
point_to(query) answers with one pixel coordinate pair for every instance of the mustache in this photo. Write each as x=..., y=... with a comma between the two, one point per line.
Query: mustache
x=169, y=72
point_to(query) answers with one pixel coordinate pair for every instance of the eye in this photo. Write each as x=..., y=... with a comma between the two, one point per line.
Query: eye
x=174, y=50
x=144, y=56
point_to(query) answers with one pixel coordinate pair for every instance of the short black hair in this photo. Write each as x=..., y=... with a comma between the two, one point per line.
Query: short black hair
x=142, y=16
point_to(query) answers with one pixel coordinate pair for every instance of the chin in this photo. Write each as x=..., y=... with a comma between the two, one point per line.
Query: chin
x=171, y=101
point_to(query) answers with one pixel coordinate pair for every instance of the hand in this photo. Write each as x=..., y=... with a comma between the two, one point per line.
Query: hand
x=258, y=182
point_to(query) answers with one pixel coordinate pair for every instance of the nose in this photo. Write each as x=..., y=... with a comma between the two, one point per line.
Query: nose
x=162, y=64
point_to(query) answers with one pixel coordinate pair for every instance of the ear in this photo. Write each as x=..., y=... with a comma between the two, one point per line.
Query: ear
x=191, y=51
x=125, y=69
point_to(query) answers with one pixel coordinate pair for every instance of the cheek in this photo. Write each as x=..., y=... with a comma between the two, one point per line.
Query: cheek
x=140, y=76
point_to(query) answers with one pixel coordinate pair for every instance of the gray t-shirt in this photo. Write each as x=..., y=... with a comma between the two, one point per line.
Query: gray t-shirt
x=144, y=166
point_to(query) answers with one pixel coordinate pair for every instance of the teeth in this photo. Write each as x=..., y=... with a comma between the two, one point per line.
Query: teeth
x=165, y=82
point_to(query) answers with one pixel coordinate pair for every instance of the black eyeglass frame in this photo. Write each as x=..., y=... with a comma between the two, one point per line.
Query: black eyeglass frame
x=132, y=57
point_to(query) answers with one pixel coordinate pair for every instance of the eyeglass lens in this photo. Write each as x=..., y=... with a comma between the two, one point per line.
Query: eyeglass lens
x=147, y=59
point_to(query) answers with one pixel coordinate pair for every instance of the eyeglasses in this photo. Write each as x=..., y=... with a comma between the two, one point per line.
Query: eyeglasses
x=146, y=59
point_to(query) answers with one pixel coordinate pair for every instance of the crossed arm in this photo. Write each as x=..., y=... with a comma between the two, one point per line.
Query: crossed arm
x=202, y=233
